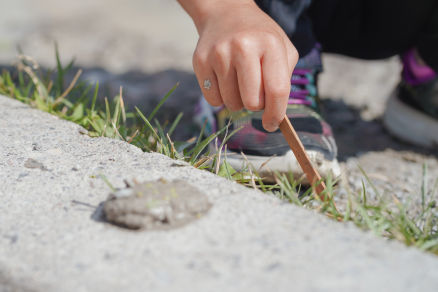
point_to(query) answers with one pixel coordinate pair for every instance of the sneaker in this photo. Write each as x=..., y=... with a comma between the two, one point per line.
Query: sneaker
x=412, y=110
x=269, y=152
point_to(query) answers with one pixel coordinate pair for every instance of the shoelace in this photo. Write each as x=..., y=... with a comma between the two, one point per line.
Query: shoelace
x=299, y=94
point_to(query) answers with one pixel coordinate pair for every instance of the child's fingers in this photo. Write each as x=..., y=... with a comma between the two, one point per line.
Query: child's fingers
x=229, y=89
x=276, y=81
x=249, y=78
x=207, y=80
x=220, y=60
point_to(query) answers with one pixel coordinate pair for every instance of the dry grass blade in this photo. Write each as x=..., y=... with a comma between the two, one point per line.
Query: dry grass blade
x=253, y=184
x=202, y=161
x=117, y=131
x=69, y=88
x=130, y=139
x=41, y=90
x=172, y=146
x=122, y=105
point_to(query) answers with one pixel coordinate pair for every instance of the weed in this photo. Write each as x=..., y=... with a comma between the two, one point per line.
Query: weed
x=77, y=102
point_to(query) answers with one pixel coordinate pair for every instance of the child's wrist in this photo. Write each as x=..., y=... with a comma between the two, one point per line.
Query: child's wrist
x=201, y=10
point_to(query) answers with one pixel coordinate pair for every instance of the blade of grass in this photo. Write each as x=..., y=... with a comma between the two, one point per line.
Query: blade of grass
x=148, y=124
x=196, y=151
x=60, y=70
x=175, y=124
x=162, y=101
x=122, y=105
x=69, y=88
x=93, y=102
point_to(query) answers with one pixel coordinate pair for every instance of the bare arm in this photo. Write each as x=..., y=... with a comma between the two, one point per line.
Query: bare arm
x=246, y=55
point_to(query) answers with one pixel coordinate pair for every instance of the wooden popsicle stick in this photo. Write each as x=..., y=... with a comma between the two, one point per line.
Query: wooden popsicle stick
x=297, y=147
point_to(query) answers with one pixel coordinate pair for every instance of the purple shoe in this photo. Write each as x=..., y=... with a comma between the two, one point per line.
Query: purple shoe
x=412, y=111
x=269, y=152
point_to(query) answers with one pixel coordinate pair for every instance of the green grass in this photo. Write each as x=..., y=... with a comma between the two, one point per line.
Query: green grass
x=77, y=102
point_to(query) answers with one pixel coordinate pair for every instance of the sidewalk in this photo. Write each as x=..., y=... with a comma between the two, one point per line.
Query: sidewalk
x=51, y=240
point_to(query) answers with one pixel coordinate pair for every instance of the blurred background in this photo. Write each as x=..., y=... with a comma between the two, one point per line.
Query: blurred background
x=151, y=36
x=146, y=35
x=146, y=46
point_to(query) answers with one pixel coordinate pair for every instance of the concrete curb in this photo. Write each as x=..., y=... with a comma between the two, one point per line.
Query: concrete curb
x=248, y=241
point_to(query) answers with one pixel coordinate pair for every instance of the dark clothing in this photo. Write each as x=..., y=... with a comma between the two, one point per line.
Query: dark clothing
x=367, y=29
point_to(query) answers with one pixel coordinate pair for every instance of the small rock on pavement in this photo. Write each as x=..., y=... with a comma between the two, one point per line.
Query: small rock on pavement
x=156, y=205
x=32, y=163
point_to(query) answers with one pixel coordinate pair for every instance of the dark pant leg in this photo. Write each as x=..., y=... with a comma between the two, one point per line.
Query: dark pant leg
x=427, y=43
x=367, y=29
x=374, y=29
x=292, y=17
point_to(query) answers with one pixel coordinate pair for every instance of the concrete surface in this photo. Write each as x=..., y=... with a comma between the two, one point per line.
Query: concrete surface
x=52, y=240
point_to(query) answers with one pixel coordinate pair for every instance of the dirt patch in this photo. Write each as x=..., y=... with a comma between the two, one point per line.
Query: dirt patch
x=156, y=205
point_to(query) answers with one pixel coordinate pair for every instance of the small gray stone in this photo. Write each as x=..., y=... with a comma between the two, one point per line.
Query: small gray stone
x=32, y=163
x=36, y=147
x=156, y=205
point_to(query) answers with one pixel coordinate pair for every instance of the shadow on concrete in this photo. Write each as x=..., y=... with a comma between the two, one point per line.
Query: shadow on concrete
x=98, y=215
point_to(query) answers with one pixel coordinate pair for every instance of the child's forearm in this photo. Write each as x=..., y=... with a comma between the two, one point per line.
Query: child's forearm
x=200, y=9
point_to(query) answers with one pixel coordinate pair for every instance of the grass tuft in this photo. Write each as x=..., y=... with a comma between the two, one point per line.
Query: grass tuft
x=78, y=102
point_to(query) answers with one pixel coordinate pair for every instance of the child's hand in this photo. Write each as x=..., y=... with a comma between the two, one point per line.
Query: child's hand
x=247, y=57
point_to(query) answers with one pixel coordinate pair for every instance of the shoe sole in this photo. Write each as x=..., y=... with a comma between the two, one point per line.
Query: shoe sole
x=409, y=124
x=266, y=167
